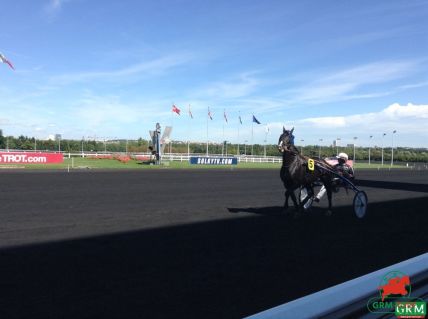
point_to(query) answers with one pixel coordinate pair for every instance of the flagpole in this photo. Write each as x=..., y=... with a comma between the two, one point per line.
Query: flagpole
x=252, y=136
x=188, y=142
x=188, y=136
x=172, y=125
x=222, y=143
x=239, y=124
x=207, y=128
x=237, y=152
x=266, y=133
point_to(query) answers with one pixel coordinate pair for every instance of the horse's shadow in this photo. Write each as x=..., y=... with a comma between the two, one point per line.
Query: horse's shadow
x=272, y=211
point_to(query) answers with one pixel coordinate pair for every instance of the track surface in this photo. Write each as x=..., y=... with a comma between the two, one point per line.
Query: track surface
x=196, y=243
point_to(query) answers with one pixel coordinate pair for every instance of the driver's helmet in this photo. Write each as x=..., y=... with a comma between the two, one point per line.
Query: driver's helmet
x=342, y=157
x=292, y=139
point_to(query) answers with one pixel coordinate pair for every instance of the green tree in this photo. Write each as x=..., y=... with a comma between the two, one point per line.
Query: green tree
x=2, y=140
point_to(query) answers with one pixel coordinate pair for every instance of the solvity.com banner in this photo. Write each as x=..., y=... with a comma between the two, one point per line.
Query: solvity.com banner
x=214, y=160
x=30, y=158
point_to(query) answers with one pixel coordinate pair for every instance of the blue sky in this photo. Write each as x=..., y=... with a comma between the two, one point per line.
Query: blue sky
x=112, y=69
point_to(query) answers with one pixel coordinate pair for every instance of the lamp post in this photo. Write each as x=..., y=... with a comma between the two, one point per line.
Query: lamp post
x=83, y=138
x=382, y=146
x=264, y=152
x=266, y=133
x=392, y=147
x=371, y=136
x=301, y=147
x=319, y=149
x=355, y=139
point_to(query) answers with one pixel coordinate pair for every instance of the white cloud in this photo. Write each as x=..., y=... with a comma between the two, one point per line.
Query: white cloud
x=54, y=6
x=398, y=112
x=152, y=67
x=347, y=84
x=5, y=121
x=414, y=85
x=331, y=122
x=238, y=86
x=95, y=111
x=410, y=121
x=392, y=116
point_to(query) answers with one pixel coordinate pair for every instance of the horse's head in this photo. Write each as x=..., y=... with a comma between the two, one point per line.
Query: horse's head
x=286, y=140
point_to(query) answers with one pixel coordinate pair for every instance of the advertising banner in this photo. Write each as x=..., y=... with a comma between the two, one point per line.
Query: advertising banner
x=214, y=160
x=30, y=158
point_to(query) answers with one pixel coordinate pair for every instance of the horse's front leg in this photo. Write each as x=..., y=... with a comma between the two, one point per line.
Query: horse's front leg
x=286, y=200
x=296, y=205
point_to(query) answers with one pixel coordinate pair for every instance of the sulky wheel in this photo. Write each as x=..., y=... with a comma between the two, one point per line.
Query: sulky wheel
x=360, y=204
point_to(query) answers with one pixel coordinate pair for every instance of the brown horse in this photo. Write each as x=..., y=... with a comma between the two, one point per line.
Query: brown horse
x=295, y=172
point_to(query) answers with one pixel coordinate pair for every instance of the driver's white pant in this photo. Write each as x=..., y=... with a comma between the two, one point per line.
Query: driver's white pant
x=321, y=192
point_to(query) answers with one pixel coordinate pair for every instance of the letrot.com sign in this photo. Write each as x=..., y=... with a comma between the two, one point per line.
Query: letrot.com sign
x=30, y=158
x=214, y=160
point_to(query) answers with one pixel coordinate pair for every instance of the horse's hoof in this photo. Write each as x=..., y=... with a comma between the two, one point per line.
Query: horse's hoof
x=328, y=213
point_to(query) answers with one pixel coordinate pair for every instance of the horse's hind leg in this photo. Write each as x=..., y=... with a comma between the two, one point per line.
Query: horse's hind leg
x=298, y=208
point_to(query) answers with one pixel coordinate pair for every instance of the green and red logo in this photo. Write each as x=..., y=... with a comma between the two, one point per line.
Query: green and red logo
x=395, y=297
x=395, y=284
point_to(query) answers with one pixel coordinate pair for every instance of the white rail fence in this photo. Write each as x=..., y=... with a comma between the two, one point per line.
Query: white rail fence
x=181, y=157
x=349, y=299
x=185, y=157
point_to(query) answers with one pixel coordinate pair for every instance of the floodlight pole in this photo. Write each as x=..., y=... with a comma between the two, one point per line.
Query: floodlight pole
x=319, y=149
x=266, y=133
x=337, y=146
x=369, y=147
x=382, y=146
x=392, y=148
x=355, y=138
x=83, y=138
x=188, y=148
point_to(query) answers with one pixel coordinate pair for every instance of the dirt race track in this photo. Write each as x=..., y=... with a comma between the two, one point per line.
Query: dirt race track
x=190, y=243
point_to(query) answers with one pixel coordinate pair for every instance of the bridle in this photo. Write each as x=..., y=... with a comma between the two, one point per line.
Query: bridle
x=283, y=147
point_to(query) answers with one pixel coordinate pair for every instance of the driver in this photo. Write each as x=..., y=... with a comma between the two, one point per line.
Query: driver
x=343, y=169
